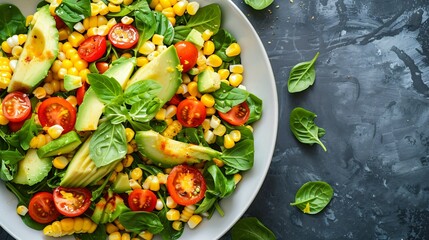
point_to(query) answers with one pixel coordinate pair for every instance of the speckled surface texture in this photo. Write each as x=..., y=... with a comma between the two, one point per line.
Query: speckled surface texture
x=372, y=97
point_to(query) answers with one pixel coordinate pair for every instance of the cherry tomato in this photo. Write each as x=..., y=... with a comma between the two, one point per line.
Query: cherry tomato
x=59, y=22
x=72, y=202
x=123, y=36
x=42, y=208
x=188, y=54
x=80, y=93
x=102, y=67
x=56, y=110
x=15, y=126
x=191, y=113
x=93, y=48
x=16, y=106
x=238, y=115
x=175, y=100
x=142, y=200
x=186, y=185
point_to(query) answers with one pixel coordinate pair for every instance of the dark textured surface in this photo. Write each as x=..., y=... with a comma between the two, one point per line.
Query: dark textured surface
x=371, y=96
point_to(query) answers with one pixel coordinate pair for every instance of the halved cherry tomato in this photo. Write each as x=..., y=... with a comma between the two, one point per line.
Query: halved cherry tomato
x=191, y=112
x=238, y=115
x=72, y=202
x=16, y=106
x=186, y=185
x=142, y=200
x=42, y=208
x=175, y=100
x=123, y=36
x=56, y=110
x=102, y=67
x=93, y=48
x=80, y=93
x=188, y=54
x=15, y=126
x=59, y=22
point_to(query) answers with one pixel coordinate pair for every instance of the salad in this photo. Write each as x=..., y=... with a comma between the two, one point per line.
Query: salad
x=122, y=119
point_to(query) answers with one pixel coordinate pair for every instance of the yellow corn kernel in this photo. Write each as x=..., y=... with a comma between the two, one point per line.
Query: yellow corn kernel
x=85, y=23
x=101, y=20
x=115, y=236
x=173, y=215
x=95, y=9
x=67, y=63
x=154, y=184
x=125, y=236
x=128, y=160
x=134, y=184
x=16, y=51
x=223, y=73
x=192, y=8
x=220, y=130
x=83, y=74
x=233, y=50
x=208, y=100
x=228, y=142
x=67, y=225
x=208, y=48
x=159, y=205
x=206, y=124
x=173, y=129
x=218, y=162
x=39, y=92
x=146, y=235
x=193, y=89
x=127, y=20
x=172, y=20
x=130, y=148
x=147, y=48
x=78, y=224
x=127, y=2
x=127, y=55
x=80, y=64
x=210, y=111
x=158, y=7
x=119, y=167
x=235, y=79
x=136, y=173
x=170, y=111
x=116, y=2
x=5, y=47
x=236, y=135
x=141, y=61
x=236, y=68
x=170, y=203
x=61, y=73
x=153, y=55
x=56, y=229
x=160, y=115
x=129, y=133
x=104, y=9
x=76, y=38
x=158, y=39
x=153, y=3
x=72, y=100
x=168, y=12
x=194, y=221
x=180, y=7
x=214, y=60
x=187, y=212
x=4, y=120
x=114, y=8
x=207, y=34
x=60, y=162
x=111, y=228
x=165, y=3
x=22, y=210
x=237, y=178
x=67, y=46
x=93, y=21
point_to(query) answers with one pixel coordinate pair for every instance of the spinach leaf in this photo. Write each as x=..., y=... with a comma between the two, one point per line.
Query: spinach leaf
x=152, y=170
x=208, y=17
x=258, y=4
x=99, y=233
x=164, y=28
x=106, y=88
x=192, y=135
x=227, y=97
x=207, y=204
x=137, y=222
x=313, y=197
x=141, y=90
x=255, y=107
x=301, y=123
x=168, y=233
x=251, y=228
x=180, y=33
x=158, y=126
x=8, y=171
x=222, y=40
x=73, y=11
x=11, y=156
x=11, y=21
x=108, y=144
x=302, y=76
x=145, y=23
x=240, y=156
x=218, y=184
x=23, y=136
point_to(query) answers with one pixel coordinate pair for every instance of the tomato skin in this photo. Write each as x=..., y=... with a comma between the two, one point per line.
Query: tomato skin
x=16, y=106
x=72, y=206
x=56, y=110
x=102, y=67
x=238, y=115
x=80, y=93
x=142, y=200
x=188, y=54
x=191, y=112
x=175, y=100
x=186, y=196
x=59, y=22
x=42, y=208
x=93, y=48
x=123, y=36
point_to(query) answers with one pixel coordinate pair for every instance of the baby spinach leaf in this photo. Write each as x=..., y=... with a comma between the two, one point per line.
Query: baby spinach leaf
x=240, y=156
x=11, y=21
x=258, y=4
x=301, y=123
x=218, y=184
x=227, y=97
x=180, y=33
x=73, y=11
x=137, y=222
x=192, y=135
x=164, y=28
x=145, y=23
x=141, y=90
x=207, y=204
x=302, y=76
x=255, y=107
x=106, y=88
x=313, y=197
x=99, y=233
x=251, y=228
x=222, y=40
x=208, y=17
x=168, y=232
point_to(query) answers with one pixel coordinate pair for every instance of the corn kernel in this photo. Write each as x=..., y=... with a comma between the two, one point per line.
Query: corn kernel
x=192, y=8
x=134, y=184
x=147, y=48
x=228, y=142
x=136, y=173
x=141, y=61
x=165, y=3
x=236, y=68
x=128, y=160
x=60, y=162
x=101, y=20
x=233, y=50
x=114, y=8
x=55, y=131
x=117, y=2
x=104, y=9
x=208, y=48
x=177, y=225
x=214, y=60
x=158, y=39
x=5, y=47
x=209, y=137
x=146, y=235
x=159, y=205
x=236, y=135
x=170, y=111
x=95, y=9
x=5, y=121
x=119, y=167
x=237, y=178
x=207, y=34
x=180, y=7
x=127, y=2
x=194, y=221
x=79, y=27
x=115, y=236
x=168, y=12
x=173, y=215
x=22, y=210
x=235, y=79
x=76, y=39
x=111, y=228
x=220, y=130
x=218, y=162
x=39, y=92
x=208, y=100
x=158, y=7
x=214, y=122
x=193, y=89
x=127, y=20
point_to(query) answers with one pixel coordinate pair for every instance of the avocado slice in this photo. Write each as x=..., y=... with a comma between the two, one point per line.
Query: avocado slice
x=166, y=152
x=32, y=169
x=121, y=183
x=164, y=70
x=208, y=81
x=196, y=38
x=90, y=110
x=39, y=52
x=64, y=144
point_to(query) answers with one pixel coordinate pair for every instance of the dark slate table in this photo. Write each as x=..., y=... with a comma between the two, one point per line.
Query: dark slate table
x=372, y=97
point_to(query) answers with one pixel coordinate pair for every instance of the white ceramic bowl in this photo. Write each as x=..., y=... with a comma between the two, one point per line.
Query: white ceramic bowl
x=258, y=78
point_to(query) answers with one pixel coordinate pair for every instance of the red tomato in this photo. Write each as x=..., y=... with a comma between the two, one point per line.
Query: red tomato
x=16, y=106
x=142, y=200
x=102, y=67
x=175, y=100
x=56, y=110
x=72, y=202
x=188, y=54
x=123, y=36
x=186, y=185
x=42, y=208
x=93, y=48
x=80, y=93
x=238, y=115
x=191, y=113
x=15, y=126
x=59, y=22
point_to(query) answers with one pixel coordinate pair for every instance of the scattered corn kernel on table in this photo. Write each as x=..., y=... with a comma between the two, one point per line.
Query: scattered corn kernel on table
x=371, y=96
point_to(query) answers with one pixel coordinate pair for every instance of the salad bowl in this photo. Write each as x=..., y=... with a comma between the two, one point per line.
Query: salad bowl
x=258, y=79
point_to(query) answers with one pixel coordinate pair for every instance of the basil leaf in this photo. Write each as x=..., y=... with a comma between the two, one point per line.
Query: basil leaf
x=106, y=88
x=116, y=113
x=255, y=107
x=258, y=4
x=208, y=17
x=73, y=11
x=137, y=222
x=251, y=228
x=11, y=21
x=164, y=28
x=145, y=23
x=141, y=90
x=227, y=97
x=313, y=197
x=222, y=40
x=301, y=123
x=240, y=156
x=108, y=144
x=302, y=76
x=145, y=111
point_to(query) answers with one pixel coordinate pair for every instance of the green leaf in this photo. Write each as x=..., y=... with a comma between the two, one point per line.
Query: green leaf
x=106, y=88
x=116, y=113
x=73, y=11
x=145, y=23
x=208, y=17
x=258, y=4
x=251, y=228
x=180, y=33
x=227, y=97
x=140, y=221
x=142, y=90
x=302, y=76
x=218, y=184
x=222, y=40
x=301, y=123
x=11, y=156
x=168, y=233
x=164, y=28
x=108, y=144
x=240, y=156
x=11, y=21
x=99, y=233
x=145, y=111
x=255, y=107
x=313, y=197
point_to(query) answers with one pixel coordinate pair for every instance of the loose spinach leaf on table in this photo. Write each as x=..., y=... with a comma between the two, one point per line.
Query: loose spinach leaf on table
x=251, y=228
x=11, y=21
x=313, y=197
x=258, y=4
x=302, y=76
x=227, y=97
x=73, y=11
x=301, y=123
x=137, y=222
